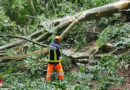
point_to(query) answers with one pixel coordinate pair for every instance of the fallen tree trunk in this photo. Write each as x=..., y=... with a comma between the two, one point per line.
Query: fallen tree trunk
x=98, y=12
x=105, y=10
x=94, y=13
x=82, y=55
x=88, y=54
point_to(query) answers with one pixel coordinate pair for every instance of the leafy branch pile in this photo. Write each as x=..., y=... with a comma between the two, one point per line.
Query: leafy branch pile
x=100, y=74
x=34, y=20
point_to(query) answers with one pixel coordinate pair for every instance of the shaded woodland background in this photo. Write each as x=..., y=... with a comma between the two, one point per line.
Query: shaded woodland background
x=95, y=41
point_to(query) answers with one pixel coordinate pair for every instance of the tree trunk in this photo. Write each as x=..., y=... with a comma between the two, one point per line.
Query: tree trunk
x=98, y=12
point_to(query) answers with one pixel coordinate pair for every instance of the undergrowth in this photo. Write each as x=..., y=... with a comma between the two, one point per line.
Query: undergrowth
x=118, y=35
x=100, y=74
x=30, y=74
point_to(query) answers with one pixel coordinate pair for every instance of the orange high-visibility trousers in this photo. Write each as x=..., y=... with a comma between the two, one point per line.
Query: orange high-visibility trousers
x=50, y=71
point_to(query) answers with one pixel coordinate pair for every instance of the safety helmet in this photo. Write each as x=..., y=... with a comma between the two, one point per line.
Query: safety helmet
x=58, y=38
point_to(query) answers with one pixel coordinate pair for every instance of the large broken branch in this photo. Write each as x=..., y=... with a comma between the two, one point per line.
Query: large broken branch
x=69, y=27
x=23, y=56
x=26, y=40
x=58, y=28
x=95, y=52
x=12, y=44
x=16, y=43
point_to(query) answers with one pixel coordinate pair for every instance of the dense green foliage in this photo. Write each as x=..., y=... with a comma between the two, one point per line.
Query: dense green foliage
x=19, y=15
x=6, y=24
x=103, y=72
x=117, y=34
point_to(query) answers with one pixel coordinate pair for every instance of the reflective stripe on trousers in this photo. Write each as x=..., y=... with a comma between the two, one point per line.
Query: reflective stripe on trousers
x=60, y=73
x=49, y=74
x=50, y=71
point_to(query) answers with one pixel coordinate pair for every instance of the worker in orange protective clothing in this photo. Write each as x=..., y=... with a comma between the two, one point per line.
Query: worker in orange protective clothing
x=54, y=59
x=1, y=83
